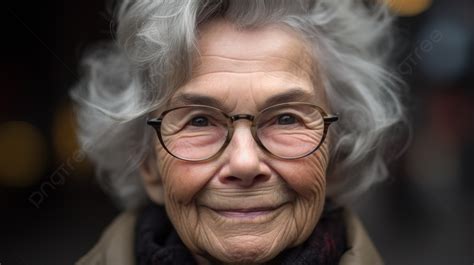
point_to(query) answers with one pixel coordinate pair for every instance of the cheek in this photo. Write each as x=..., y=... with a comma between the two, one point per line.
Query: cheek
x=182, y=180
x=306, y=176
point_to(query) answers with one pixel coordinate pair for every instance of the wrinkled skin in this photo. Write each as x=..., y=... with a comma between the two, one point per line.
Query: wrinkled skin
x=244, y=206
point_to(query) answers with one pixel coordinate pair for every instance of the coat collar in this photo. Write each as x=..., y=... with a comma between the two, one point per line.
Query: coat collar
x=115, y=247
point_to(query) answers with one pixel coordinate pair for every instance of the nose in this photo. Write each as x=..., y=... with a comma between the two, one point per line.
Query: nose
x=244, y=165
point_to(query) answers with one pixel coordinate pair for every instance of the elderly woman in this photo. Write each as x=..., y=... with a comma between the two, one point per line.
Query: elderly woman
x=236, y=131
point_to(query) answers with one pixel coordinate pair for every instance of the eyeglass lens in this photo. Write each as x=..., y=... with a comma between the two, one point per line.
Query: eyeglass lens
x=197, y=133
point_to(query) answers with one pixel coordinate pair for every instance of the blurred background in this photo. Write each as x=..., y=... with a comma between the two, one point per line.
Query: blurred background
x=52, y=210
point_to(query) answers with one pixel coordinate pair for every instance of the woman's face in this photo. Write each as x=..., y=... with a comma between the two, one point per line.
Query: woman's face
x=244, y=206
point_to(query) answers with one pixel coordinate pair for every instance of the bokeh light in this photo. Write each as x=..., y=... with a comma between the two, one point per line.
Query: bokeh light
x=65, y=142
x=409, y=7
x=23, y=154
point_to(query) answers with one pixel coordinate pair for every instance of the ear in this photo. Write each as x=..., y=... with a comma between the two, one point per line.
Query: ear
x=151, y=180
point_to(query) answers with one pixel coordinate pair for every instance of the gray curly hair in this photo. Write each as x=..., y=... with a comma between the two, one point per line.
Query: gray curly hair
x=151, y=56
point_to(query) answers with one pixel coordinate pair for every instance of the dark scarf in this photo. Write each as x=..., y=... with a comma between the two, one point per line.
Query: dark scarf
x=158, y=243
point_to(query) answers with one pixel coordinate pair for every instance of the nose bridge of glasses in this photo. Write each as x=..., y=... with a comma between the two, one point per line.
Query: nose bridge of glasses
x=242, y=116
x=248, y=117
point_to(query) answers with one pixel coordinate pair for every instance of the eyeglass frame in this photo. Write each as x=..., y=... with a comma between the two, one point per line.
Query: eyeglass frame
x=328, y=119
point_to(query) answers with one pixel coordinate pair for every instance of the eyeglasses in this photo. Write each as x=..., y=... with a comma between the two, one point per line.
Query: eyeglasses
x=198, y=133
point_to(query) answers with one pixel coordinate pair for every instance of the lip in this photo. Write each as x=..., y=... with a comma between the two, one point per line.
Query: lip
x=246, y=214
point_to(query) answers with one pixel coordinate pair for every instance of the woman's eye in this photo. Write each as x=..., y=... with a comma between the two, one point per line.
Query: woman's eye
x=199, y=121
x=286, y=119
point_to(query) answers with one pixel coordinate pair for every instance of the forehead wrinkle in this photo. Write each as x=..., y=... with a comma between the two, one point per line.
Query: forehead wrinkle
x=230, y=58
x=221, y=36
x=217, y=63
x=290, y=45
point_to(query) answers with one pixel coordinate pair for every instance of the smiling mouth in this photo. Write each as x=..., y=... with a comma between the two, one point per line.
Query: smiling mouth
x=237, y=206
x=247, y=213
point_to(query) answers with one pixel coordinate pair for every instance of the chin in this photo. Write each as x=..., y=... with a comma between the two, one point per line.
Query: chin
x=248, y=250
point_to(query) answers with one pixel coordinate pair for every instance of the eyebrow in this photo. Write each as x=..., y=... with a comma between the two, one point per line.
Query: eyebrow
x=196, y=99
x=292, y=95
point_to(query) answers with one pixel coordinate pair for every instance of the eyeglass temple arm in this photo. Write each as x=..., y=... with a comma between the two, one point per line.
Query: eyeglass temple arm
x=154, y=122
x=330, y=118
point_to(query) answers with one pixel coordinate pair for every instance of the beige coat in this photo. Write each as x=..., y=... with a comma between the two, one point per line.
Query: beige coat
x=115, y=247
